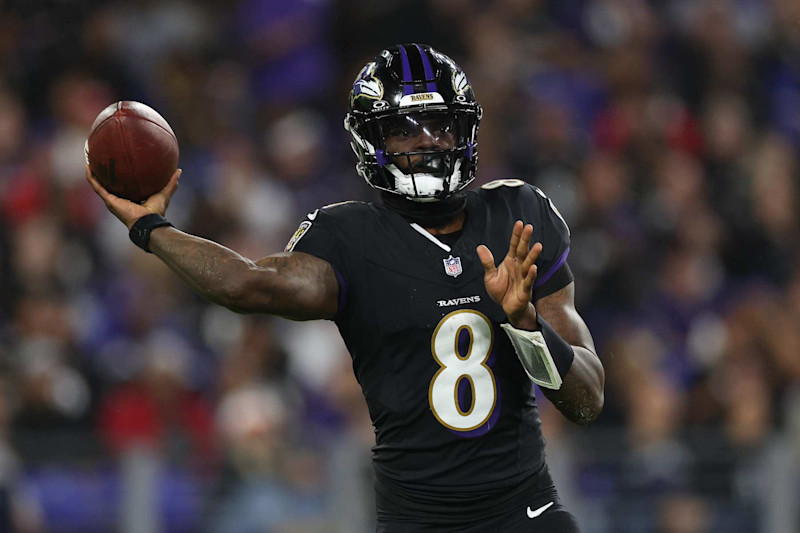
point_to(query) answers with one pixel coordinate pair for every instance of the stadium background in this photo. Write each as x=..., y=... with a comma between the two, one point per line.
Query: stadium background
x=667, y=132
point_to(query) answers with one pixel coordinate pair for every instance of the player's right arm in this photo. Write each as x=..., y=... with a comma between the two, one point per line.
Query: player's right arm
x=293, y=285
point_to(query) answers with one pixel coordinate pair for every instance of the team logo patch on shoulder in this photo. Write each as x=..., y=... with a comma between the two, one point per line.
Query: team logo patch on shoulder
x=298, y=234
x=452, y=266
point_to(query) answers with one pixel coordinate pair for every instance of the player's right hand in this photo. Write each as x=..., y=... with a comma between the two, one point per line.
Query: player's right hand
x=129, y=212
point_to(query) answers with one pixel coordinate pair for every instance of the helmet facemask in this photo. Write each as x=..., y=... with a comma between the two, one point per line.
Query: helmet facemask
x=422, y=155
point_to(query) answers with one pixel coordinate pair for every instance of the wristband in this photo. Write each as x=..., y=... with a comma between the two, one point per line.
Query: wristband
x=562, y=352
x=141, y=229
x=544, y=355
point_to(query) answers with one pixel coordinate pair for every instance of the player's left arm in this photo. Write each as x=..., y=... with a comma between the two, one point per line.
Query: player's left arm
x=580, y=397
x=510, y=284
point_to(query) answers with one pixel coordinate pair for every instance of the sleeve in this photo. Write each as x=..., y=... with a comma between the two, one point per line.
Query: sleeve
x=317, y=236
x=553, y=232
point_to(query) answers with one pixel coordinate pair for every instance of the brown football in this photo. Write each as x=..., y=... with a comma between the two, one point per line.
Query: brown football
x=132, y=150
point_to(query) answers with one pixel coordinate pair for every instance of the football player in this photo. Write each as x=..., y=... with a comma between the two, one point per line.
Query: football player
x=446, y=343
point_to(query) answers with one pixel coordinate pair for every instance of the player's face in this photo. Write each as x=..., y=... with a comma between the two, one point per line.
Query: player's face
x=418, y=133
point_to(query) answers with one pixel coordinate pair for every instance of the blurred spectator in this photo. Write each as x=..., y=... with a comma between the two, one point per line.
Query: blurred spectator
x=158, y=409
x=268, y=485
x=285, y=44
x=683, y=513
x=20, y=511
x=51, y=391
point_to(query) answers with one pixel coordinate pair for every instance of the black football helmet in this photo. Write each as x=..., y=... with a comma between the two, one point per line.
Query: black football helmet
x=421, y=100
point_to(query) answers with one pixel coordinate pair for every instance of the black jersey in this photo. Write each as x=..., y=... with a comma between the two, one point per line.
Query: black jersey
x=454, y=413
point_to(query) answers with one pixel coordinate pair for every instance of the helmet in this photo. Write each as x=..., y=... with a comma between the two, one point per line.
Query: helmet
x=414, y=120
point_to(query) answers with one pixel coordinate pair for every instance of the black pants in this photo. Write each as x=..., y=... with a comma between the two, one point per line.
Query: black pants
x=554, y=520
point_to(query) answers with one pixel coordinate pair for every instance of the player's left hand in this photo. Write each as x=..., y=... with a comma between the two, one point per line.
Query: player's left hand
x=511, y=282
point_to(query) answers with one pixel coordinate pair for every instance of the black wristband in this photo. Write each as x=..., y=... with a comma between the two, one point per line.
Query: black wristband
x=562, y=352
x=141, y=229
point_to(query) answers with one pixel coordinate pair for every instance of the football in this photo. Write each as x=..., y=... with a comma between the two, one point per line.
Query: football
x=131, y=150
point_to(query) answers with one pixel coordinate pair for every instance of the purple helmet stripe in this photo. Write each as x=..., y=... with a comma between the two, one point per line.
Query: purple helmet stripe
x=426, y=64
x=553, y=269
x=408, y=87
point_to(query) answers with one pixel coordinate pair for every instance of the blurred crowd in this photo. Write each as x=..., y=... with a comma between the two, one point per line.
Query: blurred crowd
x=666, y=132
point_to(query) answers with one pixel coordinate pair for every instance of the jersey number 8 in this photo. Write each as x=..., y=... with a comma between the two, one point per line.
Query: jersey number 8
x=468, y=364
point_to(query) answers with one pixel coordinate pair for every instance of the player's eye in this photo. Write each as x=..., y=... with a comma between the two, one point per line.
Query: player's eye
x=438, y=127
x=402, y=132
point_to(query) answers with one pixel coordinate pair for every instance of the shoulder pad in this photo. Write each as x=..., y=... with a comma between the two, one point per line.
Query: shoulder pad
x=337, y=204
x=506, y=189
x=521, y=194
x=338, y=210
x=332, y=218
x=502, y=183
x=552, y=207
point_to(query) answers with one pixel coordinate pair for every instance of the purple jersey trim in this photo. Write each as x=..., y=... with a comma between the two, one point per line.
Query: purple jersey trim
x=549, y=274
x=408, y=86
x=428, y=69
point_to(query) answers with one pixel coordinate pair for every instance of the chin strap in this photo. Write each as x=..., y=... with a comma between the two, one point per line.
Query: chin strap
x=426, y=214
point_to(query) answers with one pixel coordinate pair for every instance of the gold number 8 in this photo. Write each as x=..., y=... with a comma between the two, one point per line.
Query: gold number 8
x=443, y=390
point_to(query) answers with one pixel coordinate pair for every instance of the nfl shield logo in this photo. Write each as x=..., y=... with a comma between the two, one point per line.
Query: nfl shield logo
x=452, y=266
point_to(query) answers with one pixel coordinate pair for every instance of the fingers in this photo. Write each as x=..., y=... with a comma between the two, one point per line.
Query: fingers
x=99, y=189
x=113, y=203
x=520, y=241
x=518, y=252
x=531, y=257
x=160, y=201
x=172, y=185
x=487, y=259
x=530, y=277
x=523, y=245
x=516, y=234
x=126, y=211
x=529, y=269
